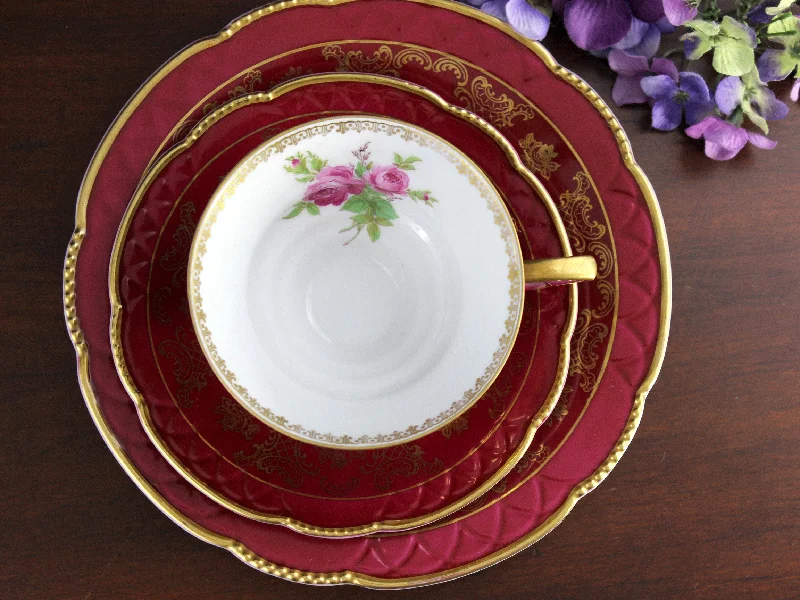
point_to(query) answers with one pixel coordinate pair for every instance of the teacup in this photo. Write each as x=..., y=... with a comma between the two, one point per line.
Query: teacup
x=357, y=282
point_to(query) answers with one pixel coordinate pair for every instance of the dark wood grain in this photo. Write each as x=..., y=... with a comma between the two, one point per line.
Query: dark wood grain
x=704, y=504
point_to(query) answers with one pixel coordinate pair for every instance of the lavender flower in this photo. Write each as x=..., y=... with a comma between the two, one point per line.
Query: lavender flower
x=600, y=24
x=632, y=69
x=689, y=94
x=724, y=140
x=754, y=98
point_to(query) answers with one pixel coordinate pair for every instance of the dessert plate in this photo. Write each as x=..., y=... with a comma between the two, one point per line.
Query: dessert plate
x=250, y=468
x=569, y=137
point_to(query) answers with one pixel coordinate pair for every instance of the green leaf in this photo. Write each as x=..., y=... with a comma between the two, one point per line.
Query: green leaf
x=361, y=219
x=384, y=209
x=360, y=170
x=356, y=204
x=785, y=24
x=305, y=178
x=412, y=159
x=296, y=210
x=374, y=232
x=735, y=30
x=312, y=208
x=316, y=162
x=733, y=58
x=706, y=27
x=369, y=166
x=397, y=159
x=383, y=222
x=406, y=167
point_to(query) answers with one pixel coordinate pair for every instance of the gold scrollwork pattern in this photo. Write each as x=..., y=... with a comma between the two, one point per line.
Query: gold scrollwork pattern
x=280, y=455
x=561, y=409
x=398, y=461
x=589, y=334
x=235, y=418
x=456, y=426
x=534, y=456
x=538, y=156
x=190, y=369
x=477, y=95
x=576, y=211
x=159, y=297
x=338, y=459
x=176, y=259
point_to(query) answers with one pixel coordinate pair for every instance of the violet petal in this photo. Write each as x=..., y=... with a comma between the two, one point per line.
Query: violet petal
x=678, y=12
x=729, y=94
x=698, y=130
x=628, y=90
x=627, y=64
x=635, y=33
x=649, y=44
x=765, y=104
x=795, y=93
x=664, y=66
x=597, y=24
x=666, y=115
x=719, y=152
x=773, y=66
x=761, y=141
x=694, y=85
x=659, y=87
x=526, y=19
x=727, y=135
x=647, y=10
x=496, y=8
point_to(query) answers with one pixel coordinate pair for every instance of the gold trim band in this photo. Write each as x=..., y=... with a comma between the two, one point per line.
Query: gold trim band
x=240, y=550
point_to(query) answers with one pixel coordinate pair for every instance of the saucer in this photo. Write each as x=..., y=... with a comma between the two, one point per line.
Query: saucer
x=222, y=449
x=356, y=282
x=568, y=136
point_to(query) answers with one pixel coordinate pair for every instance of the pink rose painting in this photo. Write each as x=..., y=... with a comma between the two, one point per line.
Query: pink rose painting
x=364, y=189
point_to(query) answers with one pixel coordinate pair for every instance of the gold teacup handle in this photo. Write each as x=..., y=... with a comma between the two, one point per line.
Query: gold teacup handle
x=546, y=272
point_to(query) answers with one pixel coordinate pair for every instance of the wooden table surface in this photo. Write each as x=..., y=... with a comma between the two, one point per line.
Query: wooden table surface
x=703, y=505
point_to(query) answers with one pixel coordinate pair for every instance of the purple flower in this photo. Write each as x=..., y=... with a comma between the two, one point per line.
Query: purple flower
x=795, y=93
x=680, y=11
x=531, y=18
x=689, y=94
x=724, y=140
x=599, y=24
x=631, y=70
x=756, y=100
x=776, y=64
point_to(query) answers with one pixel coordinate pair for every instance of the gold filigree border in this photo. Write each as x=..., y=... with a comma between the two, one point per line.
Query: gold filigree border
x=141, y=406
x=349, y=577
x=387, y=127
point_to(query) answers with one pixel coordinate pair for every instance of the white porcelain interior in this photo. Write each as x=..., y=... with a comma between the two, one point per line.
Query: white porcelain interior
x=340, y=340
